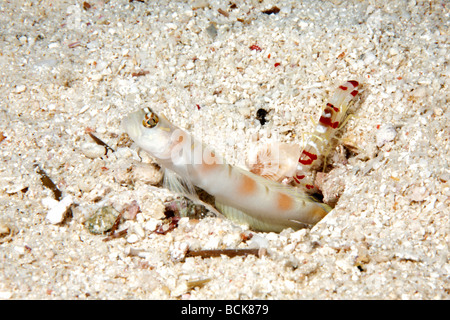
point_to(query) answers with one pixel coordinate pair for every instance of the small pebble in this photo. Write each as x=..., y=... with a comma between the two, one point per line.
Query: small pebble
x=171, y=25
x=4, y=229
x=20, y=88
x=49, y=254
x=190, y=65
x=369, y=58
x=258, y=241
x=152, y=224
x=133, y=238
x=92, y=150
x=102, y=220
x=23, y=39
x=212, y=31
x=385, y=134
x=147, y=173
x=87, y=183
x=418, y=194
x=179, y=251
x=131, y=210
x=57, y=209
x=6, y=232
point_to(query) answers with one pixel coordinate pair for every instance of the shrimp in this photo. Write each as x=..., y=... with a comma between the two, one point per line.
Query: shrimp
x=287, y=163
x=242, y=196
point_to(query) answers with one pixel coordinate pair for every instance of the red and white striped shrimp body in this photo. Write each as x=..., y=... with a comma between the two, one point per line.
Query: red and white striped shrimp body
x=240, y=195
x=288, y=163
x=317, y=146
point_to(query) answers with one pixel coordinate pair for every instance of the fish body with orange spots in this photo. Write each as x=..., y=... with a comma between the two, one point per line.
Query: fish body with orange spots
x=240, y=195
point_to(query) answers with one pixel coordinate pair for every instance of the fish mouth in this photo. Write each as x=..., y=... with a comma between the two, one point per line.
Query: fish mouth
x=132, y=124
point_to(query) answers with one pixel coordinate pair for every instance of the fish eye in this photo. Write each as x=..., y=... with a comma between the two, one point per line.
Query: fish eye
x=151, y=120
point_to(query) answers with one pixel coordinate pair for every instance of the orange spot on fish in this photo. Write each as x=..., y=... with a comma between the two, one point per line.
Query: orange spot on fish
x=210, y=162
x=247, y=186
x=284, y=201
x=208, y=166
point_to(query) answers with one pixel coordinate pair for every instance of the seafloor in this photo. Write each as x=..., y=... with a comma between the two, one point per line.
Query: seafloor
x=69, y=68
